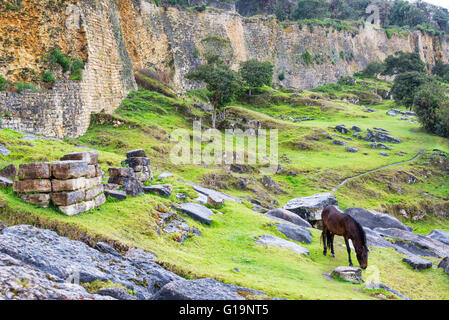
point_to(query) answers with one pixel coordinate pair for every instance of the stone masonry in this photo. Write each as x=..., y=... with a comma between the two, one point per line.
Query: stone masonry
x=73, y=184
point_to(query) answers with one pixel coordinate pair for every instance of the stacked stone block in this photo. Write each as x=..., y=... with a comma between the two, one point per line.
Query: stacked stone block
x=73, y=184
x=138, y=161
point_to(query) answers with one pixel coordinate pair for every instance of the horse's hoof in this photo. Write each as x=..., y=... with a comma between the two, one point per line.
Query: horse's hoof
x=333, y=255
x=324, y=253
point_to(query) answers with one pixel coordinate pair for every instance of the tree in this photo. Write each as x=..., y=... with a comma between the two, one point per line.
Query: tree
x=221, y=82
x=404, y=13
x=403, y=62
x=311, y=9
x=432, y=108
x=441, y=70
x=373, y=69
x=256, y=74
x=405, y=86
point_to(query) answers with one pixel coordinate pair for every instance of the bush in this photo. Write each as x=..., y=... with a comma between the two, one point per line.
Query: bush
x=406, y=85
x=373, y=69
x=403, y=62
x=24, y=86
x=48, y=77
x=2, y=83
x=281, y=76
x=57, y=57
x=432, y=108
x=256, y=73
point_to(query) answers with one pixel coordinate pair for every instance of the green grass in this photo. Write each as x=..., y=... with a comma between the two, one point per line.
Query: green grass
x=145, y=120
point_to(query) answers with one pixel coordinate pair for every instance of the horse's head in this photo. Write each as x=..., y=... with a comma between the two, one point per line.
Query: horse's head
x=362, y=255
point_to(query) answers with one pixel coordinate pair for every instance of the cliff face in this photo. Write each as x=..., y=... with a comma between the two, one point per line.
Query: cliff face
x=116, y=37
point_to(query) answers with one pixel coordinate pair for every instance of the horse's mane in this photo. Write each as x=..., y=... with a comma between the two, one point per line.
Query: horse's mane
x=360, y=230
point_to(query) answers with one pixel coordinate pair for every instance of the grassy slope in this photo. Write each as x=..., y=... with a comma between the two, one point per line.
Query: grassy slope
x=145, y=121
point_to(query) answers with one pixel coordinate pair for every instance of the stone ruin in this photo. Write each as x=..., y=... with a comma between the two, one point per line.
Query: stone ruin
x=74, y=184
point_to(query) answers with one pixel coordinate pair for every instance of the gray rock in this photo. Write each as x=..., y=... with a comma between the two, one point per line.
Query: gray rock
x=342, y=129
x=120, y=195
x=374, y=239
x=351, y=149
x=3, y=151
x=197, y=212
x=105, y=248
x=158, y=189
x=204, y=289
x=117, y=293
x=414, y=250
x=278, y=242
x=372, y=219
x=136, y=153
x=295, y=232
x=138, y=255
x=392, y=113
x=356, y=129
x=373, y=285
x=259, y=208
x=351, y=274
x=340, y=143
x=444, y=264
x=5, y=182
x=207, y=192
x=132, y=186
x=384, y=154
x=439, y=235
x=417, y=263
x=9, y=172
x=289, y=216
x=310, y=208
x=439, y=248
x=164, y=175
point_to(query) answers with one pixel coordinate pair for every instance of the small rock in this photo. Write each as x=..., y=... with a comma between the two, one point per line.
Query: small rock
x=165, y=174
x=350, y=274
x=215, y=201
x=340, y=143
x=384, y=154
x=444, y=264
x=417, y=263
x=9, y=172
x=278, y=242
x=351, y=149
x=120, y=195
x=197, y=212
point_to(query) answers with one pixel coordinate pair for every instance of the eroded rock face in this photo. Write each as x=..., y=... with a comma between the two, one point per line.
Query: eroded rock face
x=372, y=219
x=310, y=208
x=439, y=235
x=289, y=216
x=9, y=172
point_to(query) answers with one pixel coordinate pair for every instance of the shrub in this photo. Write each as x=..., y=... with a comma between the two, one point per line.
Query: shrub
x=256, y=73
x=307, y=58
x=2, y=83
x=57, y=57
x=405, y=86
x=24, y=86
x=48, y=77
x=281, y=76
x=373, y=69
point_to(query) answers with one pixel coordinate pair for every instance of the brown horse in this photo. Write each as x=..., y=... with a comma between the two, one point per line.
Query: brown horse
x=338, y=223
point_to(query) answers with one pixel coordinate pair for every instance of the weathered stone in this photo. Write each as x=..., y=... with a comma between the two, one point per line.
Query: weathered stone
x=93, y=192
x=36, y=185
x=351, y=149
x=215, y=201
x=92, y=182
x=340, y=143
x=350, y=274
x=140, y=256
x=295, y=232
x=207, y=192
x=137, y=162
x=3, y=151
x=111, y=186
x=417, y=263
x=413, y=250
x=444, y=264
x=35, y=170
x=91, y=157
x=120, y=172
x=157, y=189
x=289, y=216
x=92, y=171
x=39, y=199
x=139, y=153
x=5, y=182
x=119, y=195
x=67, y=198
x=197, y=212
x=77, y=208
x=72, y=169
x=132, y=186
x=278, y=242
x=98, y=171
x=204, y=289
x=68, y=185
x=439, y=235
x=101, y=199
x=310, y=208
x=117, y=293
x=9, y=172
x=373, y=285
x=374, y=239
x=373, y=219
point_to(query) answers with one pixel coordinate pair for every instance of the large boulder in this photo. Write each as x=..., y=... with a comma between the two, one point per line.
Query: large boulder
x=372, y=219
x=351, y=274
x=310, y=208
x=444, y=264
x=294, y=232
x=204, y=289
x=286, y=215
x=374, y=239
x=278, y=242
x=439, y=235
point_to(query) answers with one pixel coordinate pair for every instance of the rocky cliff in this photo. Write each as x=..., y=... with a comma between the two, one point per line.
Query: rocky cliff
x=115, y=38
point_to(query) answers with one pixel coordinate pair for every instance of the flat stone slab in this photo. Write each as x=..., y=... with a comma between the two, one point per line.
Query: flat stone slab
x=372, y=219
x=68, y=185
x=9, y=172
x=217, y=194
x=35, y=170
x=68, y=198
x=310, y=208
x=36, y=185
x=204, y=289
x=91, y=157
x=414, y=250
x=289, y=216
x=5, y=182
x=294, y=232
x=116, y=194
x=158, y=189
x=72, y=169
x=417, y=263
x=374, y=239
x=39, y=199
x=136, y=153
x=197, y=212
x=279, y=242
x=439, y=235
x=350, y=274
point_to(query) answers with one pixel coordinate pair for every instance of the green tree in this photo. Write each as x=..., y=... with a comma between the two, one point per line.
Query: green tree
x=221, y=82
x=373, y=69
x=311, y=9
x=256, y=74
x=431, y=105
x=441, y=70
x=2, y=83
x=403, y=62
x=406, y=85
x=403, y=13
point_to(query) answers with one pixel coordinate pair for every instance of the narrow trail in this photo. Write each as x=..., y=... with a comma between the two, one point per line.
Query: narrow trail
x=375, y=170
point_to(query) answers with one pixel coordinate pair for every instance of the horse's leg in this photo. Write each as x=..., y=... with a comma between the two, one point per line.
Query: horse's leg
x=349, y=251
x=331, y=240
x=324, y=236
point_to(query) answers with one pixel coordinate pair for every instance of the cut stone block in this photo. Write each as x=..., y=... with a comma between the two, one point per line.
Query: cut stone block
x=35, y=170
x=100, y=200
x=99, y=171
x=72, y=169
x=137, y=162
x=9, y=172
x=93, y=192
x=215, y=201
x=77, y=208
x=111, y=186
x=93, y=182
x=5, y=182
x=92, y=171
x=40, y=199
x=91, y=157
x=136, y=153
x=120, y=195
x=68, y=185
x=117, y=180
x=197, y=212
x=159, y=189
x=120, y=172
x=35, y=185
x=67, y=198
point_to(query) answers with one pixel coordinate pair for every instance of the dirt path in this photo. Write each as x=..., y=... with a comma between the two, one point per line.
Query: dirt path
x=375, y=170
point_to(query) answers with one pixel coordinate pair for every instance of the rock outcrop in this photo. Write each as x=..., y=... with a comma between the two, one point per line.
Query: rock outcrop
x=310, y=208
